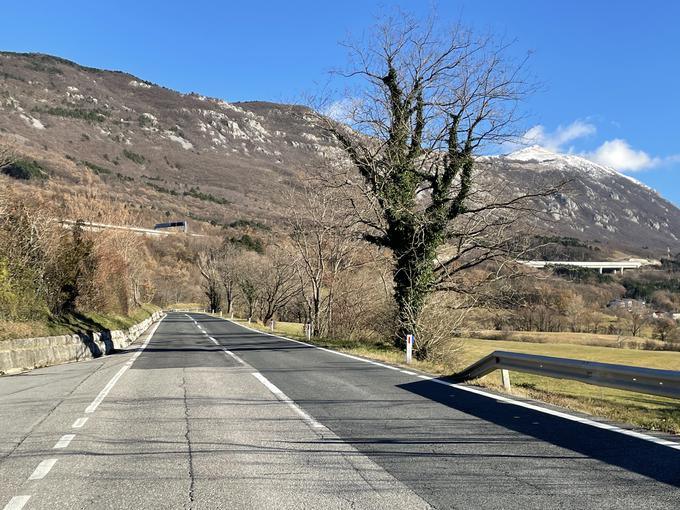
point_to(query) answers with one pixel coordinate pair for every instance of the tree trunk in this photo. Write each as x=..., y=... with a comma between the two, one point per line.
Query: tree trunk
x=229, y=295
x=412, y=277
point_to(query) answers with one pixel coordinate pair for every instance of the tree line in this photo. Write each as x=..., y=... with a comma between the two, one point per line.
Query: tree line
x=48, y=272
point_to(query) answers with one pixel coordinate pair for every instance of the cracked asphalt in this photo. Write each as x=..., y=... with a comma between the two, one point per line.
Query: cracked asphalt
x=187, y=424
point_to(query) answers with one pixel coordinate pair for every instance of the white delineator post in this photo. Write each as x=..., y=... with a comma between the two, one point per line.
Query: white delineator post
x=308, y=330
x=409, y=348
x=505, y=379
x=271, y=325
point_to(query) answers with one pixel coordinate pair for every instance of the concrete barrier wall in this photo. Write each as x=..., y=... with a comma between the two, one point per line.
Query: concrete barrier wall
x=28, y=353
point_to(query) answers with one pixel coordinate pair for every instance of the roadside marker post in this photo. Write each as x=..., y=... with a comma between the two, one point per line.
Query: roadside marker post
x=505, y=379
x=409, y=349
x=308, y=330
x=271, y=324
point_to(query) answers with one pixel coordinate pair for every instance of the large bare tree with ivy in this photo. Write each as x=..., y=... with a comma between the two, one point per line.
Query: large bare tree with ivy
x=426, y=103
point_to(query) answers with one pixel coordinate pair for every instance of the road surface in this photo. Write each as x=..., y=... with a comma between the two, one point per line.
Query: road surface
x=203, y=413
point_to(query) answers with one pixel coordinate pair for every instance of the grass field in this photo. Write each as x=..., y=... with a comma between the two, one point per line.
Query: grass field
x=594, y=339
x=646, y=411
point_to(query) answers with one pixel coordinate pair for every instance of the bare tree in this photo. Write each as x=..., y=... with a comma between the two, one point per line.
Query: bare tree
x=228, y=270
x=277, y=286
x=208, y=264
x=249, y=281
x=637, y=315
x=325, y=243
x=427, y=103
x=665, y=328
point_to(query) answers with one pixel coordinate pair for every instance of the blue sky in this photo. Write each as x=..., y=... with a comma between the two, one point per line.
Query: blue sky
x=610, y=69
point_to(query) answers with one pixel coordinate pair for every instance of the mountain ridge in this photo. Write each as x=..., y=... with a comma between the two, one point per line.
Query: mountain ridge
x=171, y=154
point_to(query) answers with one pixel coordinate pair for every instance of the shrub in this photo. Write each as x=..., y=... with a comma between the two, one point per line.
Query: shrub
x=134, y=157
x=161, y=189
x=249, y=223
x=26, y=170
x=196, y=193
x=98, y=170
x=90, y=115
x=248, y=243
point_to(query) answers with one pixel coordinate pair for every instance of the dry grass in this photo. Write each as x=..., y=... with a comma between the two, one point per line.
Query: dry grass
x=593, y=339
x=73, y=324
x=32, y=329
x=646, y=411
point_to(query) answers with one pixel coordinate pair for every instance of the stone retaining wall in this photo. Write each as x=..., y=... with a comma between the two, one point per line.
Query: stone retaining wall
x=28, y=353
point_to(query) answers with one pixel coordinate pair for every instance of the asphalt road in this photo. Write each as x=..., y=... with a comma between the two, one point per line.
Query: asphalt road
x=203, y=413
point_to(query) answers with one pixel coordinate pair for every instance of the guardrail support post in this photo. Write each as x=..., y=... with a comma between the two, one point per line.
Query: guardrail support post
x=505, y=379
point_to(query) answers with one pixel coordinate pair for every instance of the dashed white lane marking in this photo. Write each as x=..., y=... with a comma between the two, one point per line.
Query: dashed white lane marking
x=506, y=400
x=284, y=398
x=43, y=468
x=64, y=441
x=228, y=352
x=102, y=394
x=105, y=391
x=79, y=422
x=17, y=503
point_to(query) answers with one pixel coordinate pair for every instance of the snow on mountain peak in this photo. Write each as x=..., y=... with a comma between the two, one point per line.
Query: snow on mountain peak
x=539, y=154
x=533, y=153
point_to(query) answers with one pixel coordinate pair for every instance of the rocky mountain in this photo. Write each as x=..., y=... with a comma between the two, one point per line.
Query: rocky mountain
x=113, y=136
x=596, y=204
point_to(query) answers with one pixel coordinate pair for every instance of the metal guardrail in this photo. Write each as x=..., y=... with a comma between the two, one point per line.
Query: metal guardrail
x=653, y=381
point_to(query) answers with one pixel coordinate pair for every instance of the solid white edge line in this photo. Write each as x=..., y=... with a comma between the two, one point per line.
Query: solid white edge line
x=64, y=441
x=17, y=503
x=43, y=468
x=507, y=400
x=105, y=391
x=284, y=398
x=79, y=422
x=566, y=416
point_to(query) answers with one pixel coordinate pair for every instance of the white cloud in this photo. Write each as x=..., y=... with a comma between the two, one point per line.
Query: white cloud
x=615, y=153
x=620, y=155
x=342, y=110
x=556, y=140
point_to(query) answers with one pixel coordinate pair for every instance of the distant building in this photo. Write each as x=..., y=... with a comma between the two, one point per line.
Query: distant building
x=670, y=315
x=181, y=225
x=626, y=304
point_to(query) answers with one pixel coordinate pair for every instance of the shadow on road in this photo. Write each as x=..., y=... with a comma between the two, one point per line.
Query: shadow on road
x=637, y=455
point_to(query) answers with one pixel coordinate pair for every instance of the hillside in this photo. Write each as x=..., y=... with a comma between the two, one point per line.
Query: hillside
x=597, y=204
x=111, y=135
